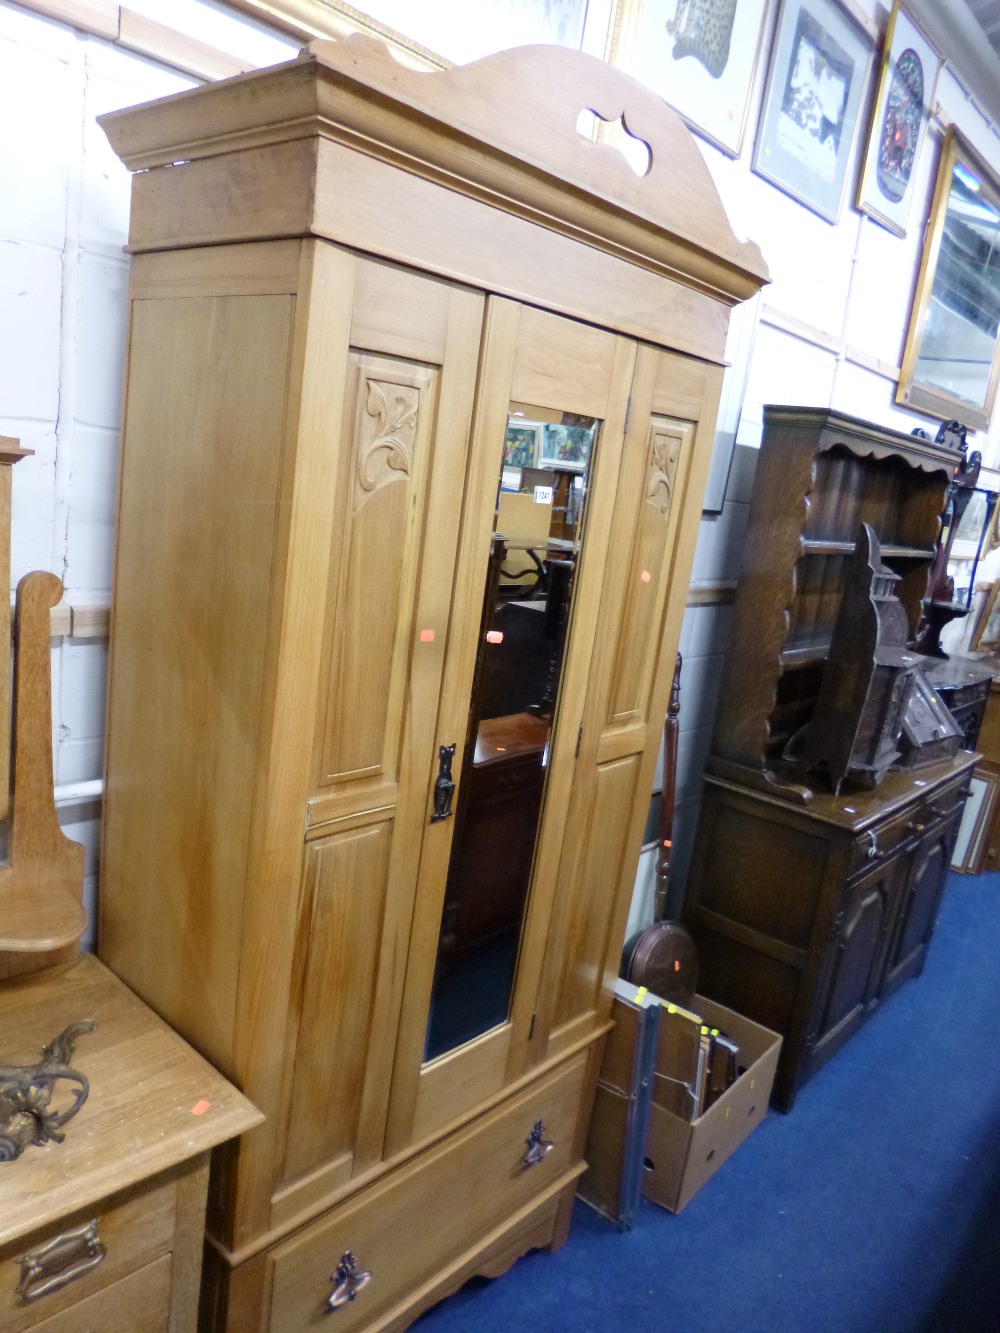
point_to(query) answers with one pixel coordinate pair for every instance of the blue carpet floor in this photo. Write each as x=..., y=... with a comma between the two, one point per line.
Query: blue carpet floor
x=873, y=1207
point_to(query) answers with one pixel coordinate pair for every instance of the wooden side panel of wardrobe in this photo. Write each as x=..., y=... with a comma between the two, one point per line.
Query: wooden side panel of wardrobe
x=659, y=503
x=203, y=420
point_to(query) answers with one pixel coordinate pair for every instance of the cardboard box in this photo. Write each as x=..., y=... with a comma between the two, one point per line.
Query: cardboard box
x=680, y=1154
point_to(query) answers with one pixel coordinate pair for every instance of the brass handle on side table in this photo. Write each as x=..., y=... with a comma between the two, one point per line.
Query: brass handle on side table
x=60, y=1261
x=349, y=1281
x=538, y=1145
x=444, y=786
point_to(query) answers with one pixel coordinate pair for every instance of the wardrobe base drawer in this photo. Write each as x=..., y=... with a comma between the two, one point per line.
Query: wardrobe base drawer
x=372, y=1254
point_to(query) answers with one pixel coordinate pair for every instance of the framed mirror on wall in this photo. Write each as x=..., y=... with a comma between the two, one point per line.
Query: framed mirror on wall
x=952, y=353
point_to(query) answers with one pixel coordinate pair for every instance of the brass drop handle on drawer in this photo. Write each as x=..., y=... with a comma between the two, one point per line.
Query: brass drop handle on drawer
x=60, y=1261
x=915, y=826
x=349, y=1281
x=444, y=786
x=538, y=1145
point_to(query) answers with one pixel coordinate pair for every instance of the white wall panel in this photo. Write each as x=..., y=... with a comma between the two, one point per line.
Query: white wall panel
x=32, y=528
x=39, y=102
x=30, y=330
x=79, y=742
x=786, y=369
x=98, y=315
x=90, y=534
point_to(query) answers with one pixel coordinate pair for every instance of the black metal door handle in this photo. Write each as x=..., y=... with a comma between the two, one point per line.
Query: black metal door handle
x=444, y=787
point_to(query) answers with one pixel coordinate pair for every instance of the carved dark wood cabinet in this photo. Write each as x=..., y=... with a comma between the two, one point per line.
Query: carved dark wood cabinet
x=809, y=908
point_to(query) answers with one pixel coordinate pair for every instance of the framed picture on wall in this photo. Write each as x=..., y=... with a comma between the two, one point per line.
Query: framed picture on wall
x=899, y=121
x=816, y=83
x=698, y=55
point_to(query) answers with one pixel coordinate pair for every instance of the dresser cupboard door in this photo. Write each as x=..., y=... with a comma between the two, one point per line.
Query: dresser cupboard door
x=920, y=895
x=551, y=391
x=409, y=379
x=855, y=960
x=672, y=421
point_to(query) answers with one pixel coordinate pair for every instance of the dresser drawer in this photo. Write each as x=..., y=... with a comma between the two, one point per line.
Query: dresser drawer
x=886, y=837
x=68, y=1262
x=139, y=1303
x=408, y=1228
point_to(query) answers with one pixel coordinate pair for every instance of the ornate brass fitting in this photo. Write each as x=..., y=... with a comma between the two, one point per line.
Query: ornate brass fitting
x=26, y=1093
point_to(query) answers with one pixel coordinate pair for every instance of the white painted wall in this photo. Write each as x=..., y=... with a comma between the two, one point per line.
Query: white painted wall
x=64, y=200
x=63, y=218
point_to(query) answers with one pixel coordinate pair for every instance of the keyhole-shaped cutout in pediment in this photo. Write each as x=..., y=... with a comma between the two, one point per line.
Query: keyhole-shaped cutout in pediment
x=596, y=129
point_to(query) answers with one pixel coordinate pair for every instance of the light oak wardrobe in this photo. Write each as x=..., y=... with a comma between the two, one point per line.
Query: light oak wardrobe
x=371, y=310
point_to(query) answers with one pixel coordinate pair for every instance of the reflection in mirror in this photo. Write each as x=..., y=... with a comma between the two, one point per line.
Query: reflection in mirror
x=950, y=363
x=534, y=550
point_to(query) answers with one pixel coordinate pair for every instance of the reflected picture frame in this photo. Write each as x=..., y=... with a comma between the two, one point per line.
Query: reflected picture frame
x=700, y=56
x=900, y=114
x=522, y=444
x=975, y=826
x=986, y=635
x=964, y=185
x=975, y=525
x=817, y=81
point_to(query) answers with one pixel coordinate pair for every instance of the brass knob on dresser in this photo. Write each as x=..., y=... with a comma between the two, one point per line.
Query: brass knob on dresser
x=349, y=1281
x=60, y=1261
x=538, y=1145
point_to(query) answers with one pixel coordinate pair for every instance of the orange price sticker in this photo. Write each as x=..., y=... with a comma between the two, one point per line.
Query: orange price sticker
x=426, y=636
x=646, y=576
x=200, y=1108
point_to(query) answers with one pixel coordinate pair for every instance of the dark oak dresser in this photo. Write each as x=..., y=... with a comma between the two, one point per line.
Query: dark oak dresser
x=809, y=908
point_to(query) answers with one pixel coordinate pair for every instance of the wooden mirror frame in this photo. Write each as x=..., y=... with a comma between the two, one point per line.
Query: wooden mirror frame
x=921, y=395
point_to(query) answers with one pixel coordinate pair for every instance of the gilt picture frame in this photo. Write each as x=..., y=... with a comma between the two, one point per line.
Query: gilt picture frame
x=900, y=113
x=817, y=81
x=951, y=361
x=700, y=56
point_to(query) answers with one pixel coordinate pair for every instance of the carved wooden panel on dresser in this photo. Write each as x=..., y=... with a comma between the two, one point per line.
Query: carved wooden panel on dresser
x=352, y=285
x=808, y=908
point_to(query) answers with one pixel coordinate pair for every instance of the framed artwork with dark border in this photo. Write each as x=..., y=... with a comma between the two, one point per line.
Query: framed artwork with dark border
x=698, y=55
x=902, y=106
x=816, y=84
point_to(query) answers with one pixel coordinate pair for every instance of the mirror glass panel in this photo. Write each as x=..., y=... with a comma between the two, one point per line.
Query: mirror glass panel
x=950, y=366
x=534, y=550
